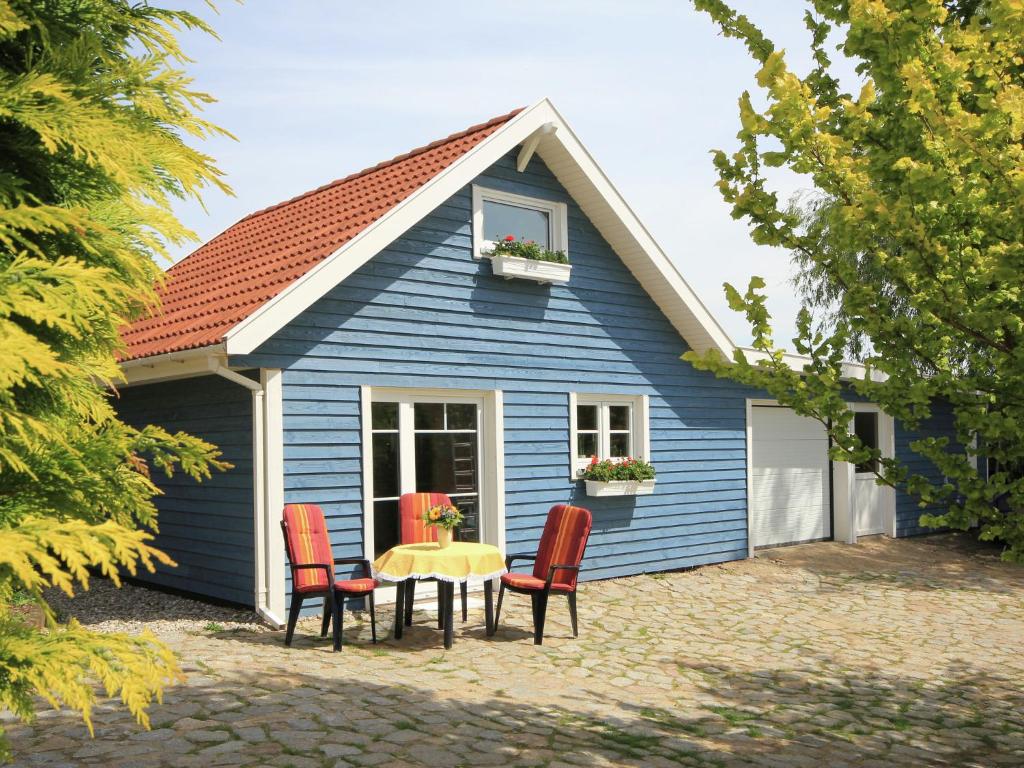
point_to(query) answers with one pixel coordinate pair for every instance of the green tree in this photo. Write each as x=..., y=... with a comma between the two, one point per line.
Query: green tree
x=94, y=117
x=914, y=234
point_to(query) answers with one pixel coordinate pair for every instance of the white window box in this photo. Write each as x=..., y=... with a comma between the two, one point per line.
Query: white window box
x=530, y=269
x=620, y=487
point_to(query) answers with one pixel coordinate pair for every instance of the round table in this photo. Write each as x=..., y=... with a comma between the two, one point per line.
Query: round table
x=456, y=563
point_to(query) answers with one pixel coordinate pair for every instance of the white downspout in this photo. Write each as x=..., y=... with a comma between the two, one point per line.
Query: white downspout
x=262, y=513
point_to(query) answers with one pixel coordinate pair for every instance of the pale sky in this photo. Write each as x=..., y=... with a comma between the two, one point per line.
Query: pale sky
x=315, y=90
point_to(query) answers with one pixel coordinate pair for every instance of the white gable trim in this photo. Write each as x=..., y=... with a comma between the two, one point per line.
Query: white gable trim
x=578, y=173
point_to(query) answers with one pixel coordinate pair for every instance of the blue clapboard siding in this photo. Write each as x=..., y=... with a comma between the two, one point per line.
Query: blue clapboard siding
x=423, y=313
x=205, y=527
x=908, y=512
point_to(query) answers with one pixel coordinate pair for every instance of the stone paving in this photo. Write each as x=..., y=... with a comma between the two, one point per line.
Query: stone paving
x=888, y=653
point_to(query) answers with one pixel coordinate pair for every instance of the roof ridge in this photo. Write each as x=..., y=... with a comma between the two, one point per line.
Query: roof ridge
x=384, y=164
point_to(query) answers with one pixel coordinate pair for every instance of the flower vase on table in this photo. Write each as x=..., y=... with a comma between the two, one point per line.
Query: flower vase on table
x=446, y=519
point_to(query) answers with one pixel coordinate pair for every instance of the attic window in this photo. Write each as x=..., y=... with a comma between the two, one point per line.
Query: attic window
x=501, y=219
x=497, y=215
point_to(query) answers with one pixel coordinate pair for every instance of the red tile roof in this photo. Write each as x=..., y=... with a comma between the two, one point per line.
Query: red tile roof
x=233, y=275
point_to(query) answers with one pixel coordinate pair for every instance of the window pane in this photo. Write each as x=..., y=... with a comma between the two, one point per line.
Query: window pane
x=461, y=416
x=619, y=442
x=470, y=528
x=385, y=415
x=428, y=415
x=446, y=463
x=501, y=219
x=586, y=417
x=385, y=526
x=586, y=444
x=865, y=426
x=385, y=464
x=618, y=417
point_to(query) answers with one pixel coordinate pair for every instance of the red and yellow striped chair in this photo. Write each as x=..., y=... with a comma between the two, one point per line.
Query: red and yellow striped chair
x=414, y=530
x=312, y=566
x=556, y=566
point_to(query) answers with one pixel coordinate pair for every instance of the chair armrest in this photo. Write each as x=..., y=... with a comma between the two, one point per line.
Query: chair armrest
x=308, y=566
x=355, y=561
x=553, y=568
x=510, y=558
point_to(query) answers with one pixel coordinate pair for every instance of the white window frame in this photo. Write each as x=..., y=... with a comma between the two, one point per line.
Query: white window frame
x=640, y=428
x=558, y=234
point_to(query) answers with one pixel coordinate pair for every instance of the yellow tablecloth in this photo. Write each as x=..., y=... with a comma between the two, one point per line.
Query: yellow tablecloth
x=459, y=561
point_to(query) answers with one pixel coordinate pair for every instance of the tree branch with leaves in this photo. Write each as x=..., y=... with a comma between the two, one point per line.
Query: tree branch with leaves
x=95, y=114
x=913, y=243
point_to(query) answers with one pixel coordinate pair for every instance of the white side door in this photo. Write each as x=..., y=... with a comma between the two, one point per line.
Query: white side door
x=870, y=501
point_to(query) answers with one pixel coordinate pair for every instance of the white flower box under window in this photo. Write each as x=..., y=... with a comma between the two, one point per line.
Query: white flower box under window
x=620, y=487
x=531, y=269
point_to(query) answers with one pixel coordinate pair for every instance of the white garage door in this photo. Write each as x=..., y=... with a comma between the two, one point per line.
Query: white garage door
x=790, y=500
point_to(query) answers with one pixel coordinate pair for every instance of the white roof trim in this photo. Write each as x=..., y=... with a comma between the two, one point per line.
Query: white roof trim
x=583, y=179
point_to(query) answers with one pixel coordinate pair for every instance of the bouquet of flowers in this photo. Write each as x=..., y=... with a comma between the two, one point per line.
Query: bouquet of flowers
x=443, y=516
x=628, y=469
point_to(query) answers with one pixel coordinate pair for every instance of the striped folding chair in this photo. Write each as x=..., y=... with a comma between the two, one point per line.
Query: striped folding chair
x=556, y=566
x=312, y=566
x=414, y=530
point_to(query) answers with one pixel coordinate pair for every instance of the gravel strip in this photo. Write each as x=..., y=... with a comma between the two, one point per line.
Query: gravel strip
x=132, y=608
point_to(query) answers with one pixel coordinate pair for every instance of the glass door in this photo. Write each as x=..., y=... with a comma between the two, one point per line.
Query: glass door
x=423, y=445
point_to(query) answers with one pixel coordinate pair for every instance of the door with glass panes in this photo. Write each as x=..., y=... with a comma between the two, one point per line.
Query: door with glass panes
x=423, y=445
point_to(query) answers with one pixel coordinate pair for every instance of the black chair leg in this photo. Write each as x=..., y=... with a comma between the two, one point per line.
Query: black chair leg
x=373, y=618
x=410, y=596
x=337, y=611
x=463, y=588
x=572, y=614
x=541, y=612
x=293, y=616
x=497, y=610
x=326, y=623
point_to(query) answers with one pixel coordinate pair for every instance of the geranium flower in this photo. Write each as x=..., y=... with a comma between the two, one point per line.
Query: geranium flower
x=510, y=238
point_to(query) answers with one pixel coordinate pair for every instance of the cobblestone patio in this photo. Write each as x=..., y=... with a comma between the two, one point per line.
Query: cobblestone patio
x=888, y=653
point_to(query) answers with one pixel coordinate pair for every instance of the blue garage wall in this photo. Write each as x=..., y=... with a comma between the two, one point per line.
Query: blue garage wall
x=941, y=424
x=424, y=313
x=205, y=527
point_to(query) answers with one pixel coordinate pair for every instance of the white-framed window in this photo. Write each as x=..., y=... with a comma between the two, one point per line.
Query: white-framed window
x=497, y=214
x=609, y=427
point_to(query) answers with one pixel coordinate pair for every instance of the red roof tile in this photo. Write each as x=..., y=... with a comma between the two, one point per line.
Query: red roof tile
x=233, y=275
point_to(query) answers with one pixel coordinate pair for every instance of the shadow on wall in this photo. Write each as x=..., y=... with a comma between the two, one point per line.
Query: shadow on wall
x=531, y=299
x=273, y=712
x=610, y=513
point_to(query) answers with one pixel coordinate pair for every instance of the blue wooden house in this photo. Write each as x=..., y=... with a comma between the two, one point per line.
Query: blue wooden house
x=360, y=341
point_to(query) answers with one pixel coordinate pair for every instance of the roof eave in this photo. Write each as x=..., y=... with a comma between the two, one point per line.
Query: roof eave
x=184, y=364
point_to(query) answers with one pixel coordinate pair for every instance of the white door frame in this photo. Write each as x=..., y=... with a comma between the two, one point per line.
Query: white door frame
x=886, y=494
x=491, y=433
